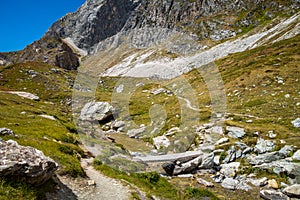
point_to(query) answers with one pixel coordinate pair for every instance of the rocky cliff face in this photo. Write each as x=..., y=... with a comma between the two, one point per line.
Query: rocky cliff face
x=97, y=20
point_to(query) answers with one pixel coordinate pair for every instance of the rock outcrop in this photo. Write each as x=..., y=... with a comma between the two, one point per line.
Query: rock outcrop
x=79, y=33
x=25, y=163
x=96, y=111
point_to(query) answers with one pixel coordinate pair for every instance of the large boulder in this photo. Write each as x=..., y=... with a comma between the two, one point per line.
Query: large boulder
x=25, y=163
x=189, y=164
x=96, y=111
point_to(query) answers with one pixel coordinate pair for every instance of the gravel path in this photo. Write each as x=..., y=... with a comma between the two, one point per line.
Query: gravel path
x=95, y=187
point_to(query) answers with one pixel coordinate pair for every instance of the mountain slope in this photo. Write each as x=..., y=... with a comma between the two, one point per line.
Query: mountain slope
x=95, y=21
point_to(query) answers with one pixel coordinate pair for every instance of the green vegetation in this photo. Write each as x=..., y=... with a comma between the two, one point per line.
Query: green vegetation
x=19, y=190
x=195, y=193
x=150, y=182
x=55, y=138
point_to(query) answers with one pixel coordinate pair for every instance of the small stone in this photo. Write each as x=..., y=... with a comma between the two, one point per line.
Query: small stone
x=229, y=183
x=222, y=141
x=169, y=168
x=185, y=175
x=259, y=182
x=272, y=135
x=230, y=169
x=264, y=146
x=296, y=123
x=286, y=150
x=235, y=132
x=91, y=182
x=133, y=133
x=204, y=182
x=273, y=184
x=296, y=155
x=118, y=124
x=217, y=160
x=161, y=141
x=218, y=178
x=6, y=131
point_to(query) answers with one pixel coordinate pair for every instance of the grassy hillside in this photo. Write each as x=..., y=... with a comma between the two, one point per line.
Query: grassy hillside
x=262, y=85
x=56, y=138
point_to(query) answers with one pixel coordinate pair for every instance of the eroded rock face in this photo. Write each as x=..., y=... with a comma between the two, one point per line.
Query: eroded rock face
x=27, y=163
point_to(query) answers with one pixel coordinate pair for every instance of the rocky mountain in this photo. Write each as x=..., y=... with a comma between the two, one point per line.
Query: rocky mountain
x=78, y=34
x=184, y=89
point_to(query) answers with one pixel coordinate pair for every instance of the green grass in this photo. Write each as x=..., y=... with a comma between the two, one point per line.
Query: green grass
x=55, y=138
x=150, y=182
x=195, y=193
x=20, y=190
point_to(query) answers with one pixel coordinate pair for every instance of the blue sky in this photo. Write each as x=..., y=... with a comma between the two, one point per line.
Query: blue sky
x=24, y=21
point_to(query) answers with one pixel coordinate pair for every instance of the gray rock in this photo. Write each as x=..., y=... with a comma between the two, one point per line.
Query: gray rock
x=134, y=133
x=117, y=124
x=235, y=132
x=272, y=135
x=26, y=95
x=229, y=170
x=229, y=183
x=158, y=91
x=247, y=150
x=286, y=150
x=296, y=123
x=204, y=182
x=283, y=167
x=263, y=146
x=207, y=161
x=173, y=131
x=169, y=168
x=185, y=176
x=243, y=185
x=264, y=158
x=238, y=154
x=217, y=160
x=230, y=155
x=296, y=155
x=96, y=111
x=161, y=141
x=259, y=182
x=26, y=163
x=222, y=141
x=218, y=178
x=273, y=195
x=241, y=145
x=6, y=131
x=187, y=167
x=292, y=191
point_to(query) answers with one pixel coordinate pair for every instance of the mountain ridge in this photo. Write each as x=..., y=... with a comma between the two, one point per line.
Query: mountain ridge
x=97, y=20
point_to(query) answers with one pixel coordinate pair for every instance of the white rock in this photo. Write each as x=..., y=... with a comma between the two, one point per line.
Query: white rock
x=222, y=141
x=161, y=141
x=296, y=123
x=26, y=95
